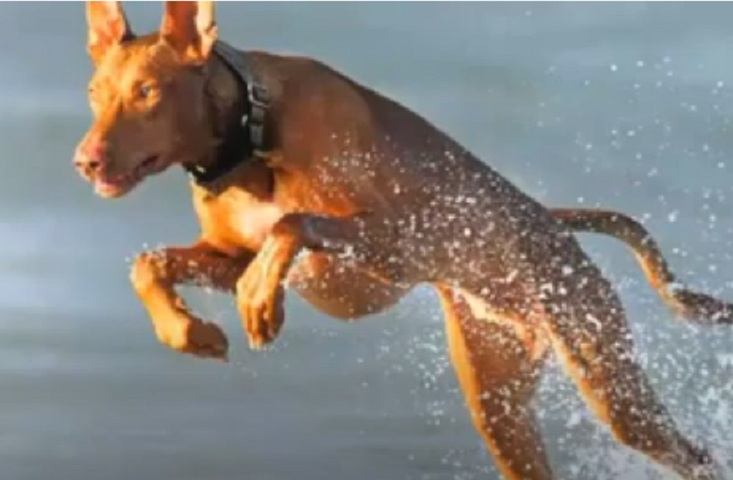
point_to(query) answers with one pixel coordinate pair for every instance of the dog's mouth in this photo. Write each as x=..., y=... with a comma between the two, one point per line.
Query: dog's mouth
x=117, y=185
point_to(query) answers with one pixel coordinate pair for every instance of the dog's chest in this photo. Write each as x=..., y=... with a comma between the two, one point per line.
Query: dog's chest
x=235, y=219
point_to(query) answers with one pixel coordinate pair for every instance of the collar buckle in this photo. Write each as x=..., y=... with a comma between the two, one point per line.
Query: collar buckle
x=259, y=103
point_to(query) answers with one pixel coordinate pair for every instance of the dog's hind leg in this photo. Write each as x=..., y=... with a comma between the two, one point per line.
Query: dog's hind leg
x=342, y=290
x=498, y=375
x=588, y=331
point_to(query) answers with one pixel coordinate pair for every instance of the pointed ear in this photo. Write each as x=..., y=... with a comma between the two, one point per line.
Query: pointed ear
x=107, y=27
x=190, y=29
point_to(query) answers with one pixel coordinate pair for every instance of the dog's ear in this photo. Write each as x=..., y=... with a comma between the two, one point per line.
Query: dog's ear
x=190, y=29
x=107, y=26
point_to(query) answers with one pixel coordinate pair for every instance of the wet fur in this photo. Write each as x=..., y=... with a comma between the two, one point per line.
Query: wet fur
x=360, y=201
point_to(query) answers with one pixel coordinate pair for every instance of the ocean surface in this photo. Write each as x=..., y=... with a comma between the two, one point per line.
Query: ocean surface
x=624, y=105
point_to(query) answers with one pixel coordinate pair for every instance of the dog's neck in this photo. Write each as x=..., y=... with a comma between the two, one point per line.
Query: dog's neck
x=239, y=111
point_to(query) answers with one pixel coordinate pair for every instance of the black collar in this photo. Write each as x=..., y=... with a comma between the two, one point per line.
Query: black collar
x=248, y=138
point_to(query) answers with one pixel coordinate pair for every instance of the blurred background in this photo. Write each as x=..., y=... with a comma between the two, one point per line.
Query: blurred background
x=624, y=105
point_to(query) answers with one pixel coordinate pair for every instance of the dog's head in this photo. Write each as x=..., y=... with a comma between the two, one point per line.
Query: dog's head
x=147, y=95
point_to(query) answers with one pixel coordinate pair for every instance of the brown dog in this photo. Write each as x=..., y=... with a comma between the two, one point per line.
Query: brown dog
x=301, y=174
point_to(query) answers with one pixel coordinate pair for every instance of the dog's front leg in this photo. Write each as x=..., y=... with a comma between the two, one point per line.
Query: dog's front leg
x=371, y=240
x=154, y=276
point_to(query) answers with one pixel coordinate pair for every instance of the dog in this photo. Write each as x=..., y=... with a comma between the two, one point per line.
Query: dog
x=302, y=177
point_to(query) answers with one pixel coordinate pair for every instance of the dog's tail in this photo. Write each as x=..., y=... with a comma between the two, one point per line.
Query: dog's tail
x=694, y=306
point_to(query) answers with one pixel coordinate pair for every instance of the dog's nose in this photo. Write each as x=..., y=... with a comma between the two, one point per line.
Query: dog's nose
x=90, y=156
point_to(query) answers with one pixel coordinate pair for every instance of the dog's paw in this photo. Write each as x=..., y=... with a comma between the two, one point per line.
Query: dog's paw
x=260, y=288
x=260, y=304
x=196, y=337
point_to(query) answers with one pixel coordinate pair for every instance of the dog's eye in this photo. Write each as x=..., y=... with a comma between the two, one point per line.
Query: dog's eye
x=145, y=90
